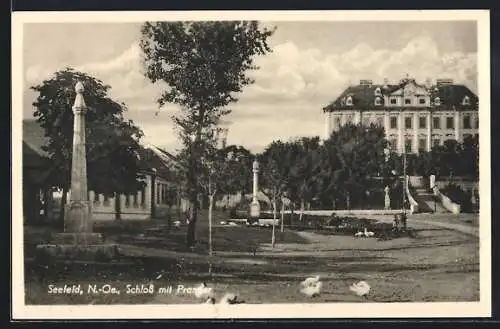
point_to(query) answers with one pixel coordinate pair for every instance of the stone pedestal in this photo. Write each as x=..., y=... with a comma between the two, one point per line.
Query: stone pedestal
x=387, y=199
x=255, y=205
x=77, y=215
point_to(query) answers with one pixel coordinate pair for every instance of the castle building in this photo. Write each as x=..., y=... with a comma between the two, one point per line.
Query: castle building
x=418, y=116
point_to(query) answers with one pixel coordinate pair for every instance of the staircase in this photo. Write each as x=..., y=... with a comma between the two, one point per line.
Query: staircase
x=427, y=202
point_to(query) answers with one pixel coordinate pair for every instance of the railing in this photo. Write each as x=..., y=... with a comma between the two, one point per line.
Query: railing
x=411, y=200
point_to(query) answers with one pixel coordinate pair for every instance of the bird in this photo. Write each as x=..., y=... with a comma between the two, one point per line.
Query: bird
x=368, y=234
x=359, y=234
x=223, y=222
x=360, y=288
x=231, y=299
x=159, y=276
x=232, y=224
x=177, y=223
x=310, y=281
x=203, y=291
x=210, y=300
x=312, y=290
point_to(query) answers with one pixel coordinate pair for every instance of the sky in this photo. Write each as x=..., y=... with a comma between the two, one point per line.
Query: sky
x=311, y=64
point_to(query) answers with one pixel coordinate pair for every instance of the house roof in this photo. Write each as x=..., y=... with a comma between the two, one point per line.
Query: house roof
x=363, y=96
x=33, y=154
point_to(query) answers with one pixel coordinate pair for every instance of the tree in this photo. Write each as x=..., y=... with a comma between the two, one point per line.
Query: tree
x=239, y=166
x=112, y=142
x=350, y=158
x=203, y=64
x=303, y=178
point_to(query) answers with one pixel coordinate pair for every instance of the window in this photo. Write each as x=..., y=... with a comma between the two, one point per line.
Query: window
x=422, y=144
x=407, y=101
x=449, y=123
x=394, y=144
x=348, y=101
x=366, y=121
x=394, y=122
x=421, y=101
x=408, y=123
x=378, y=101
x=422, y=122
x=408, y=145
x=466, y=101
x=467, y=123
x=437, y=101
x=377, y=91
x=436, y=142
x=380, y=122
x=436, y=123
x=337, y=122
x=477, y=123
x=394, y=101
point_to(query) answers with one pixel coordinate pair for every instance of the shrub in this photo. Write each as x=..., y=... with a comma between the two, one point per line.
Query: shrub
x=458, y=195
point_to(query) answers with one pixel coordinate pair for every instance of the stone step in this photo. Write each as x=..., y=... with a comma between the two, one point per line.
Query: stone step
x=76, y=238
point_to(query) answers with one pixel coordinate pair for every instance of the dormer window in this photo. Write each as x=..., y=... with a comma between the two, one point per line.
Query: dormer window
x=348, y=101
x=437, y=101
x=378, y=101
x=466, y=100
x=378, y=92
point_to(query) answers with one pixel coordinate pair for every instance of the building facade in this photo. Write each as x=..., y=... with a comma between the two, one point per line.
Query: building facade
x=418, y=116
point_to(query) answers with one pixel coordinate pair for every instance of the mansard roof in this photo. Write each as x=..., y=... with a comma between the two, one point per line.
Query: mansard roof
x=363, y=96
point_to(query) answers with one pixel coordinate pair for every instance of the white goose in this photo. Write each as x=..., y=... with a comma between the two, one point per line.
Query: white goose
x=203, y=291
x=360, y=288
x=311, y=286
x=230, y=299
x=368, y=234
x=359, y=234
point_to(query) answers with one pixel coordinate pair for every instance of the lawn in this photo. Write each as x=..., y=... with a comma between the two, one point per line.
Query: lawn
x=434, y=265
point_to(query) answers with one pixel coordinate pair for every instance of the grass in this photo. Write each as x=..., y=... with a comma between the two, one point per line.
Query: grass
x=436, y=265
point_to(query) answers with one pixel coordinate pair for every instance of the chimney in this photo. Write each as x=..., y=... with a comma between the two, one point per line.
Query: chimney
x=365, y=82
x=444, y=82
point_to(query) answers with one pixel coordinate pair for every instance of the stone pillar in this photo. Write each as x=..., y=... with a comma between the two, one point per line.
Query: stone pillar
x=387, y=199
x=328, y=125
x=432, y=181
x=415, y=131
x=387, y=123
x=429, y=131
x=458, y=128
x=78, y=213
x=255, y=206
x=147, y=193
x=357, y=117
x=401, y=129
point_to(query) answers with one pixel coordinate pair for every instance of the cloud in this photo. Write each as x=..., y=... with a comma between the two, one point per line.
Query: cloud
x=291, y=86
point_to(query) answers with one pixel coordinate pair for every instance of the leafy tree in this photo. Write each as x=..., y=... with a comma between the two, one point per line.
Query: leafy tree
x=353, y=155
x=239, y=166
x=112, y=143
x=204, y=65
x=303, y=178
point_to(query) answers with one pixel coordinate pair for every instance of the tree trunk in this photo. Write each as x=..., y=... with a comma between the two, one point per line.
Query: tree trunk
x=273, y=238
x=302, y=205
x=291, y=214
x=348, y=201
x=64, y=199
x=282, y=216
x=210, y=251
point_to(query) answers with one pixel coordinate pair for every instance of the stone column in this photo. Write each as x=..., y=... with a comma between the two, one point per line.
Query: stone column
x=255, y=206
x=415, y=131
x=357, y=117
x=401, y=129
x=78, y=213
x=458, y=128
x=429, y=131
x=387, y=123
x=328, y=124
x=147, y=193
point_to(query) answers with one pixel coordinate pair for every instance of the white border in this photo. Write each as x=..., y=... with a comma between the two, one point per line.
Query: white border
x=323, y=310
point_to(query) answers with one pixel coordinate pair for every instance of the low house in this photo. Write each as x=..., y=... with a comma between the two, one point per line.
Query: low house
x=43, y=202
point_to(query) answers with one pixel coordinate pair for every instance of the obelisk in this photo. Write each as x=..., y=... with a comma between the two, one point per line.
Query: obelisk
x=255, y=206
x=78, y=212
